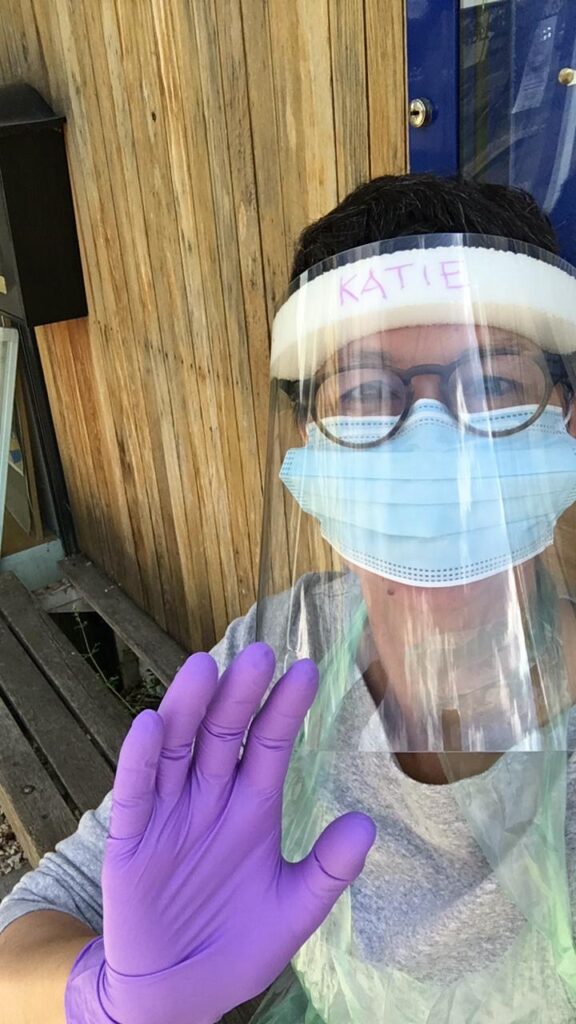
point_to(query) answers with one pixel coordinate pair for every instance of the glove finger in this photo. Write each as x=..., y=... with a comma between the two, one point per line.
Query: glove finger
x=275, y=728
x=134, y=789
x=182, y=709
x=336, y=860
x=237, y=698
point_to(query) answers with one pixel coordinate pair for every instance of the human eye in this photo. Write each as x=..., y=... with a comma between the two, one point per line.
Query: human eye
x=362, y=391
x=372, y=395
x=492, y=391
x=369, y=391
x=497, y=387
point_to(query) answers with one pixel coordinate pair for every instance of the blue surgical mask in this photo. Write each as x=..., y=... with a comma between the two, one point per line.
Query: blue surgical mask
x=436, y=505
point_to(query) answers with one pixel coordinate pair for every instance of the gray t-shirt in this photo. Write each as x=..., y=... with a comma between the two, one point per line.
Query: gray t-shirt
x=430, y=903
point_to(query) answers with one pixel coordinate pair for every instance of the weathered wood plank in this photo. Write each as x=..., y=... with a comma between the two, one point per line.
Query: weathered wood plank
x=82, y=770
x=147, y=207
x=118, y=336
x=86, y=442
x=266, y=153
x=250, y=351
x=162, y=655
x=101, y=713
x=386, y=86
x=300, y=41
x=210, y=258
x=147, y=99
x=7, y=882
x=348, y=49
x=221, y=63
x=36, y=811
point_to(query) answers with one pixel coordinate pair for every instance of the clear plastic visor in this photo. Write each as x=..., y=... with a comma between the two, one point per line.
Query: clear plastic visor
x=418, y=529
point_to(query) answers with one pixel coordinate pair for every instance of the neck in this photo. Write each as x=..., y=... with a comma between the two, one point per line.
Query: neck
x=425, y=766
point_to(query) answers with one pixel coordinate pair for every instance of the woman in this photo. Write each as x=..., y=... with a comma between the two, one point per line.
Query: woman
x=414, y=593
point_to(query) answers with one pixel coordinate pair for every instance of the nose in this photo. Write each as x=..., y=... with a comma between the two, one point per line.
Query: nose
x=427, y=385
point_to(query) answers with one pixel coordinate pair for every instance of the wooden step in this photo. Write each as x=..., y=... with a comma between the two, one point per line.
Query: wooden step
x=35, y=810
x=44, y=717
x=159, y=652
x=7, y=882
x=103, y=715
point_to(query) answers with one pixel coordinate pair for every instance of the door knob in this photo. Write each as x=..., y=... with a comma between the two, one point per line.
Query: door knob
x=420, y=113
x=567, y=76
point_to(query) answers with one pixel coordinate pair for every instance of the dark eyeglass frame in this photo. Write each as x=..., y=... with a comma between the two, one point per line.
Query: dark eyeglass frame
x=552, y=366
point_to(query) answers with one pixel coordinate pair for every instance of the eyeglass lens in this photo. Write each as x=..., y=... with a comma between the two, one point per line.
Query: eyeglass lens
x=481, y=384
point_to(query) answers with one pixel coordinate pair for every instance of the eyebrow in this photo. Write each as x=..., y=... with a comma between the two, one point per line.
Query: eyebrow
x=373, y=357
x=379, y=357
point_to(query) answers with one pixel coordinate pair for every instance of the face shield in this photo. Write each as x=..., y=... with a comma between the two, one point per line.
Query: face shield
x=422, y=454
x=418, y=544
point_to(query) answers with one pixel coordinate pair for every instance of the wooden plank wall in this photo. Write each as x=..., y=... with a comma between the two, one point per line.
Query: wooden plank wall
x=202, y=135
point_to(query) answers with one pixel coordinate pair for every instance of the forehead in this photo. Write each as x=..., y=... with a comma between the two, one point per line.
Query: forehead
x=432, y=343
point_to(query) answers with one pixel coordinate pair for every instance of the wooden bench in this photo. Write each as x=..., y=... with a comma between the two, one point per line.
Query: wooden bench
x=61, y=726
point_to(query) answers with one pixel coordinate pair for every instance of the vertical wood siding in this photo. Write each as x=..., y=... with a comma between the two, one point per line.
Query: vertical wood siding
x=202, y=136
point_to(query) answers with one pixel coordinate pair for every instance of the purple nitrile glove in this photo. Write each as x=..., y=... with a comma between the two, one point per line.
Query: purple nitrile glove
x=201, y=911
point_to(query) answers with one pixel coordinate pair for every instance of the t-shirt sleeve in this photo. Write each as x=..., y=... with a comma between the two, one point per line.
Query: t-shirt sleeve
x=69, y=878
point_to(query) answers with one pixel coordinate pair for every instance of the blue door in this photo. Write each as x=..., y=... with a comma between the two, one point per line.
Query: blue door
x=501, y=103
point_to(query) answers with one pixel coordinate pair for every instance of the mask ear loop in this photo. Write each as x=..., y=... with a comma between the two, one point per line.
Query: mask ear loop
x=570, y=367
x=568, y=415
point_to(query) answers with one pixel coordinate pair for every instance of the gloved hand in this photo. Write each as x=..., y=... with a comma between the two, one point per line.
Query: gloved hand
x=201, y=911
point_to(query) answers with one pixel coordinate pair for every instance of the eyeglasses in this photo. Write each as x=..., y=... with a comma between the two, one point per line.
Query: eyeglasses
x=477, y=382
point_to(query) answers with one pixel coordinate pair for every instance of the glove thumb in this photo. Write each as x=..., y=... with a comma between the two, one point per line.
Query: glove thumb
x=336, y=860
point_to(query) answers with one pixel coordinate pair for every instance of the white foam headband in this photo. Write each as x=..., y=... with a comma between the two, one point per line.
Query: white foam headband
x=444, y=285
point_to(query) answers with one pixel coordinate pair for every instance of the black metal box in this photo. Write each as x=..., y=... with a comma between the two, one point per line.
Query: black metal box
x=40, y=271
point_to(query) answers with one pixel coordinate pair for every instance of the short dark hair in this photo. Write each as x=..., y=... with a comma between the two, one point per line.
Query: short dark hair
x=418, y=204
x=423, y=204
